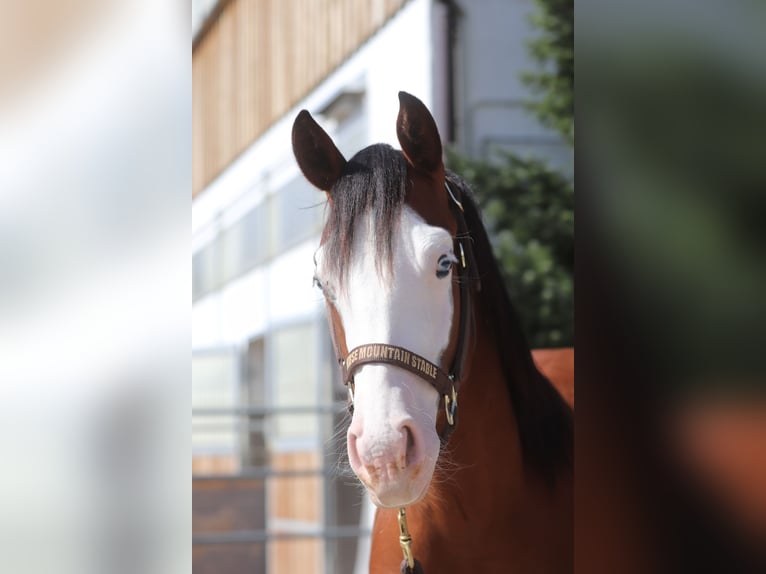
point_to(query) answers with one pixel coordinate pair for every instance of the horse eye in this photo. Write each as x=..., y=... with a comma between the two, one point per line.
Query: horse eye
x=317, y=283
x=444, y=265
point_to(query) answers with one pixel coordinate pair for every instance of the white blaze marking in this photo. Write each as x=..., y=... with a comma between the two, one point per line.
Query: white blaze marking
x=412, y=309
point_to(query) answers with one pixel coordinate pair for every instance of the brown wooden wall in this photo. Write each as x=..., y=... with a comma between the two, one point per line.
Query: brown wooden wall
x=258, y=58
x=298, y=499
x=228, y=505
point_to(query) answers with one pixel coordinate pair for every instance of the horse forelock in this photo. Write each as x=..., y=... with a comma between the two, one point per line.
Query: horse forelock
x=376, y=184
x=373, y=186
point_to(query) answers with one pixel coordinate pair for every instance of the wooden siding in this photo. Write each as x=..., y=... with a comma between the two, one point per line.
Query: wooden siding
x=227, y=506
x=258, y=58
x=215, y=464
x=296, y=500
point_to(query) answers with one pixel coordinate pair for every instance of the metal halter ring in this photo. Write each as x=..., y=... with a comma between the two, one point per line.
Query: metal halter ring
x=462, y=254
x=452, y=195
x=450, y=406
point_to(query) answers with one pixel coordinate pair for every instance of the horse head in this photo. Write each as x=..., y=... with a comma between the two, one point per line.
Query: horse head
x=387, y=266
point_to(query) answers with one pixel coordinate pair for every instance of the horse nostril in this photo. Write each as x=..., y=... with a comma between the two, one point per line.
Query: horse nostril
x=410, y=445
x=353, y=453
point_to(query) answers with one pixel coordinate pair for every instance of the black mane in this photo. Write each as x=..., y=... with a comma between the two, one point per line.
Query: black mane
x=374, y=185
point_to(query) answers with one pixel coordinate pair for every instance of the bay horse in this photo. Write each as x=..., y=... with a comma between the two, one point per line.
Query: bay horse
x=425, y=334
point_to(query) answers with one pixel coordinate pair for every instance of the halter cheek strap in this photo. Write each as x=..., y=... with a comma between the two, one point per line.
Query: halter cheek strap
x=446, y=384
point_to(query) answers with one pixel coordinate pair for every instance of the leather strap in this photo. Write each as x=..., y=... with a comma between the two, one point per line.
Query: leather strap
x=467, y=262
x=376, y=353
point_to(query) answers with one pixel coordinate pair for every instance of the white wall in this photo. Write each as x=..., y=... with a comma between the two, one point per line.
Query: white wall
x=491, y=54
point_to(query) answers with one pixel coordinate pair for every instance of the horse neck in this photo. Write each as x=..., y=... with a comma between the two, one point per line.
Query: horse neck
x=484, y=452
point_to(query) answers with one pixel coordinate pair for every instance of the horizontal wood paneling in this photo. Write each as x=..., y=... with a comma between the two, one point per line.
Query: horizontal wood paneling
x=258, y=58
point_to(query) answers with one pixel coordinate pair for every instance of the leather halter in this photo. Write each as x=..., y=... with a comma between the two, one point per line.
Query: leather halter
x=447, y=384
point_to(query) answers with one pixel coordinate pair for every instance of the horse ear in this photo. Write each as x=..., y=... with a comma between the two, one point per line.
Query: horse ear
x=316, y=154
x=418, y=134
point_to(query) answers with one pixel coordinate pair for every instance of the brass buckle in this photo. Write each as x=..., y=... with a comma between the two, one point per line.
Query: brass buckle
x=462, y=254
x=405, y=540
x=450, y=406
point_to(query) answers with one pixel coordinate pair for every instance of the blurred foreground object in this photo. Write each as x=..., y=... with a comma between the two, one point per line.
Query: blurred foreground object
x=36, y=35
x=94, y=287
x=672, y=280
x=676, y=176
x=722, y=443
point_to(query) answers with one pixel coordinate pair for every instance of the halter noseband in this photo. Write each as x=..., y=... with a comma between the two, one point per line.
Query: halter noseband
x=446, y=384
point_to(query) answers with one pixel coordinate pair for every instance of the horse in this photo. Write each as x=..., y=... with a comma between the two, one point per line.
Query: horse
x=459, y=439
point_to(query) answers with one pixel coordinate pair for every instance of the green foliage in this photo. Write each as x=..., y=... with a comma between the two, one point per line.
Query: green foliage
x=529, y=213
x=553, y=82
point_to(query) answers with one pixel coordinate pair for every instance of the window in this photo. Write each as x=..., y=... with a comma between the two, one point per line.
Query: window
x=205, y=270
x=294, y=380
x=299, y=212
x=255, y=453
x=214, y=385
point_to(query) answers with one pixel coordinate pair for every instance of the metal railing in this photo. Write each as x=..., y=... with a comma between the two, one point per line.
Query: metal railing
x=252, y=419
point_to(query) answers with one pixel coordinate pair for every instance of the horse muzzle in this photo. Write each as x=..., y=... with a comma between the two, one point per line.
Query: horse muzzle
x=393, y=462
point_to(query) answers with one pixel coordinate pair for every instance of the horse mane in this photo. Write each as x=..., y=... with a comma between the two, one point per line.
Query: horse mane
x=374, y=184
x=545, y=421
